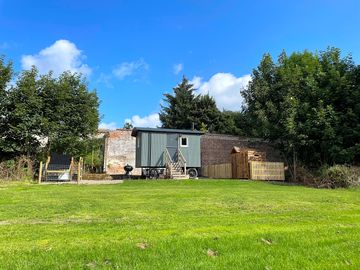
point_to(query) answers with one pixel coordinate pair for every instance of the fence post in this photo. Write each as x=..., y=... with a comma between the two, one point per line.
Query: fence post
x=40, y=172
x=79, y=170
x=71, y=169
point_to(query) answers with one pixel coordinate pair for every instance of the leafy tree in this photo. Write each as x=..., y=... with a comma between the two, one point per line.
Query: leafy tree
x=6, y=74
x=23, y=116
x=61, y=109
x=71, y=112
x=298, y=103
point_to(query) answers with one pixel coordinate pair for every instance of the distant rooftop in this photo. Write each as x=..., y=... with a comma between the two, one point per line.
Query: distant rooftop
x=165, y=130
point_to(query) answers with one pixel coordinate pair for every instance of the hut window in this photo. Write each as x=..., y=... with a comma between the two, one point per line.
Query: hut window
x=184, y=142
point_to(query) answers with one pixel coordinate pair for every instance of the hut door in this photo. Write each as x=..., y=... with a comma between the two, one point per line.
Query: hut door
x=172, y=145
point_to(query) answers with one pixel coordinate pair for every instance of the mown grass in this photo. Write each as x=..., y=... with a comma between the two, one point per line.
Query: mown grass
x=249, y=225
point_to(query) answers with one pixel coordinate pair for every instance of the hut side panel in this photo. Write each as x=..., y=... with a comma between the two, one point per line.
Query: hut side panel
x=152, y=143
x=192, y=151
x=138, y=151
x=157, y=144
x=145, y=150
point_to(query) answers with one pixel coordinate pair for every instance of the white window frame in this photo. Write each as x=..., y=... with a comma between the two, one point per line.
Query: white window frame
x=187, y=141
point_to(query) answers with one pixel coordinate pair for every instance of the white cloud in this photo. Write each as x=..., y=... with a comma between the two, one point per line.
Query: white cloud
x=178, y=68
x=105, y=79
x=129, y=68
x=224, y=88
x=111, y=125
x=151, y=120
x=61, y=56
x=196, y=82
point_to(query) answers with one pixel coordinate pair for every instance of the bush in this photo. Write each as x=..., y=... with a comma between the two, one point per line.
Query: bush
x=339, y=176
x=306, y=176
x=20, y=168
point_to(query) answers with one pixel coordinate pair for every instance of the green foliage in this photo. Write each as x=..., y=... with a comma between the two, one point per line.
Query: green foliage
x=203, y=127
x=181, y=110
x=24, y=116
x=93, y=153
x=206, y=112
x=17, y=169
x=61, y=109
x=308, y=104
x=71, y=112
x=339, y=176
x=6, y=74
x=128, y=125
x=185, y=109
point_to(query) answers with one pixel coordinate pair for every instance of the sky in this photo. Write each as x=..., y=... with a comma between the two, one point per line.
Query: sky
x=132, y=52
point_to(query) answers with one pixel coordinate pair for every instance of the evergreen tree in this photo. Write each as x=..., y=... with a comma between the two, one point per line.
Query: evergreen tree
x=181, y=107
x=207, y=113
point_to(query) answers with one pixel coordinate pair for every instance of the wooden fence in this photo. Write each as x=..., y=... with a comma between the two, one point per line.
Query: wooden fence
x=217, y=171
x=267, y=170
x=259, y=170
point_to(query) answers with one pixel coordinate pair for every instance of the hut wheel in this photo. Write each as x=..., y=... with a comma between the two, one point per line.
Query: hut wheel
x=192, y=172
x=153, y=174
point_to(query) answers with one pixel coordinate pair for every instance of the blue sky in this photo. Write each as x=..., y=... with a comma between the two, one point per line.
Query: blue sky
x=134, y=51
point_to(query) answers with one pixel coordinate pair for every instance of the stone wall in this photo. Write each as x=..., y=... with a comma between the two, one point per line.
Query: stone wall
x=216, y=148
x=119, y=151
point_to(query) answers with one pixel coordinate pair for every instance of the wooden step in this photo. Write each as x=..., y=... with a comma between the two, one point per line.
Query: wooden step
x=181, y=176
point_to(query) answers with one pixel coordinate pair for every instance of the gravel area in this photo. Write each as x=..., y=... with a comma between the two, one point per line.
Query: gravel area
x=86, y=182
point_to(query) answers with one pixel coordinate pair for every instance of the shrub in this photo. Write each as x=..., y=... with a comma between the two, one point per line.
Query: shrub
x=306, y=176
x=20, y=168
x=339, y=176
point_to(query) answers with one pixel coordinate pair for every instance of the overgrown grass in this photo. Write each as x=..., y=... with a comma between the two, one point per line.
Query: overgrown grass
x=248, y=225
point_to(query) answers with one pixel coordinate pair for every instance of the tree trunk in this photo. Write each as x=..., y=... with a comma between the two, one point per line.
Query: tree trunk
x=294, y=164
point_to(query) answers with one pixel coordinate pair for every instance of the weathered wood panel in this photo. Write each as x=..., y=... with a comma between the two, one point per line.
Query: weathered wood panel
x=217, y=171
x=260, y=170
x=240, y=159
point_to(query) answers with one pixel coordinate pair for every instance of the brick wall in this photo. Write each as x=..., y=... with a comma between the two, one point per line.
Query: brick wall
x=216, y=148
x=119, y=151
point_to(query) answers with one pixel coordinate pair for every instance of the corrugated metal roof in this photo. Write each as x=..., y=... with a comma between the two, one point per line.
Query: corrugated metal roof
x=165, y=130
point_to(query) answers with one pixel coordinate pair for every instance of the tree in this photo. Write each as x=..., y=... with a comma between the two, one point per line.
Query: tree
x=23, y=116
x=298, y=103
x=128, y=125
x=185, y=109
x=61, y=110
x=71, y=112
x=181, y=107
x=6, y=74
x=207, y=113
x=231, y=123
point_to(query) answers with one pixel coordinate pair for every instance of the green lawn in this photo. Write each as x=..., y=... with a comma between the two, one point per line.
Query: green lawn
x=248, y=225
